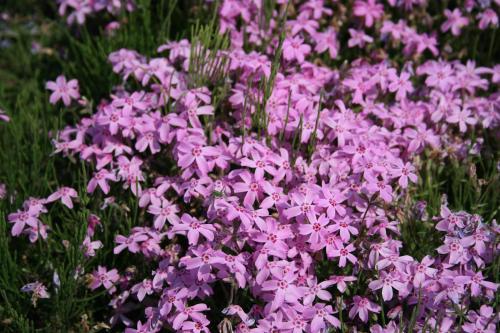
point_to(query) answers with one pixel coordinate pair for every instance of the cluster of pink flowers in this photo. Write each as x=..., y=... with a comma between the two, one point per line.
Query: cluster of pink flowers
x=276, y=207
x=76, y=11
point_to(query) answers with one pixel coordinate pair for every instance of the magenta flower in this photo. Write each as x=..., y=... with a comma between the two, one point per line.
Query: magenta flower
x=477, y=283
x=344, y=228
x=316, y=229
x=358, y=38
x=284, y=290
x=164, y=211
x=369, y=9
x=64, y=194
x=327, y=41
x=88, y=246
x=23, y=218
x=101, y=178
x=381, y=187
x=302, y=206
x=193, y=228
x=462, y=118
x=387, y=282
x=103, y=277
x=295, y=49
x=423, y=271
x=403, y=171
x=251, y=186
x=344, y=254
x=185, y=312
x=341, y=280
x=401, y=85
x=454, y=21
x=321, y=316
x=362, y=307
x=62, y=89
x=37, y=291
x=3, y=116
x=190, y=153
x=332, y=200
x=487, y=18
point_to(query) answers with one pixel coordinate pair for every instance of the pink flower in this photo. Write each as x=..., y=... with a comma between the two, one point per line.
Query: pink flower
x=129, y=103
x=142, y=289
x=302, y=206
x=332, y=200
x=341, y=280
x=185, y=312
x=317, y=231
x=317, y=290
x=190, y=153
x=22, y=218
x=358, y=38
x=88, y=246
x=194, y=228
x=251, y=186
x=345, y=229
x=64, y=194
x=101, y=178
x=454, y=21
x=148, y=139
x=404, y=171
x=3, y=116
x=321, y=316
x=103, y=277
x=477, y=283
x=63, y=90
x=37, y=291
x=362, y=307
x=284, y=290
x=327, y=41
x=402, y=85
x=462, y=118
x=487, y=18
x=381, y=187
x=344, y=254
x=369, y=9
x=164, y=211
x=479, y=327
x=130, y=243
x=423, y=270
x=295, y=49
x=195, y=326
x=140, y=328
x=387, y=282
x=303, y=23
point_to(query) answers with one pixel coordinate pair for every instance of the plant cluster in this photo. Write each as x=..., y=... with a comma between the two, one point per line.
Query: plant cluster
x=273, y=159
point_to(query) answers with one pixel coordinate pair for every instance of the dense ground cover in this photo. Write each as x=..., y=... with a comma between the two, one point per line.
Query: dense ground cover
x=249, y=166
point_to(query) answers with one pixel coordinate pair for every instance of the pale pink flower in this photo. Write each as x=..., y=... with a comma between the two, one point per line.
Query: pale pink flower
x=62, y=89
